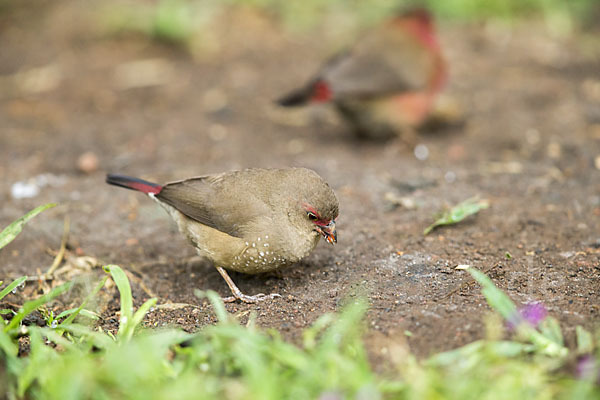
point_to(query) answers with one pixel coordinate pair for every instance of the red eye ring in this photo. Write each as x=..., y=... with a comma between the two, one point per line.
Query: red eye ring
x=312, y=216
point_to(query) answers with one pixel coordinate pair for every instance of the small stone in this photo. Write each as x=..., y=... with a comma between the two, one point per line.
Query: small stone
x=24, y=190
x=450, y=176
x=421, y=152
x=88, y=162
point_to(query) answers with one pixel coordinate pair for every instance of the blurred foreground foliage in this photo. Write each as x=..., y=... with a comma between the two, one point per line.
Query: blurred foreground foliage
x=68, y=359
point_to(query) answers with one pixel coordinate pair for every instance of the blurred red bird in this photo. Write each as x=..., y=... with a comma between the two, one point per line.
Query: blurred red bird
x=387, y=83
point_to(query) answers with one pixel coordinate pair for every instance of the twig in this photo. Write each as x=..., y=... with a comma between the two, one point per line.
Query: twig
x=174, y=306
x=139, y=281
x=35, y=278
x=63, y=247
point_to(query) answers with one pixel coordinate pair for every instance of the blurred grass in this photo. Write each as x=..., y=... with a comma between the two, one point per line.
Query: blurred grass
x=67, y=360
x=183, y=21
x=232, y=361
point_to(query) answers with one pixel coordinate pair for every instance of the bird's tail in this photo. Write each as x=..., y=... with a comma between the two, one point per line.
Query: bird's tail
x=298, y=97
x=133, y=183
x=317, y=91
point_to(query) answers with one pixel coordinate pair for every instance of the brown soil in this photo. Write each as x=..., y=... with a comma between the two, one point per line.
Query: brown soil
x=530, y=144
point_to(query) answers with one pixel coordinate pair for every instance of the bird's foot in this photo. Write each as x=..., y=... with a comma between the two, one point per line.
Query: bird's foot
x=250, y=299
x=237, y=293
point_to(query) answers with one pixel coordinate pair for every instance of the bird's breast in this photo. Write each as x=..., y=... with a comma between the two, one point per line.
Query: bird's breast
x=263, y=253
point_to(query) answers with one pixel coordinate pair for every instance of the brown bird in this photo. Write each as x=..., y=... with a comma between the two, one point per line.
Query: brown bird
x=250, y=221
x=387, y=83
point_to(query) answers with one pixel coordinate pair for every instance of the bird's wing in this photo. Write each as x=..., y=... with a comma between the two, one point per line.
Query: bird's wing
x=216, y=201
x=378, y=65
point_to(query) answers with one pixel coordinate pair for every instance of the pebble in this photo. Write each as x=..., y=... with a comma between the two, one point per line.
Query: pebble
x=88, y=162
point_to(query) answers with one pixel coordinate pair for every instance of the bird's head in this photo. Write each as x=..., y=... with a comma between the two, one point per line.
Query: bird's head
x=419, y=24
x=322, y=225
x=315, y=209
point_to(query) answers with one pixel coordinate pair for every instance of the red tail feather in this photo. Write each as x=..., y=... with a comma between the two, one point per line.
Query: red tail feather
x=133, y=183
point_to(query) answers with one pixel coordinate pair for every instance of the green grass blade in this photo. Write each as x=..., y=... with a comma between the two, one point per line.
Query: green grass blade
x=585, y=341
x=495, y=297
x=13, y=285
x=458, y=213
x=86, y=313
x=120, y=279
x=217, y=304
x=12, y=231
x=7, y=345
x=550, y=328
x=136, y=319
x=98, y=339
x=56, y=337
x=91, y=295
x=550, y=345
x=32, y=305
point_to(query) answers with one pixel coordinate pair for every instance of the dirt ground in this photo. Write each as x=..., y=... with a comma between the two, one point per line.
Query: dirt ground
x=530, y=144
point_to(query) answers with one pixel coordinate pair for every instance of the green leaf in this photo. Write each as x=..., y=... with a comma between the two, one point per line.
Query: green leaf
x=120, y=279
x=13, y=285
x=550, y=328
x=98, y=339
x=585, y=341
x=12, y=231
x=217, y=303
x=458, y=213
x=472, y=352
x=32, y=305
x=76, y=311
x=7, y=345
x=129, y=321
x=495, y=297
x=56, y=337
x=549, y=343
x=137, y=319
x=83, y=311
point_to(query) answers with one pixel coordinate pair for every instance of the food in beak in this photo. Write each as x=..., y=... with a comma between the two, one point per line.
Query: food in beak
x=328, y=231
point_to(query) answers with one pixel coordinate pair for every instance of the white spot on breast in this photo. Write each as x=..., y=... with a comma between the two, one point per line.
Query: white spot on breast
x=258, y=239
x=266, y=244
x=253, y=244
x=261, y=254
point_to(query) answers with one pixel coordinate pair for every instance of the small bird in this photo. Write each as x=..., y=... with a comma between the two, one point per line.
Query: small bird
x=387, y=83
x=250, y=221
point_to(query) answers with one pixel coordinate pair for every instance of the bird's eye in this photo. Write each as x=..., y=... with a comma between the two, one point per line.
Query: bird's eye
x=312, y=216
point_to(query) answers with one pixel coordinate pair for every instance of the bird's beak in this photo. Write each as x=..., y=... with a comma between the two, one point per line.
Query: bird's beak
x=328, y=231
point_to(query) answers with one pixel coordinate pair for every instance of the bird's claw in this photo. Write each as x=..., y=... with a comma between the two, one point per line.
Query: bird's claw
x=250, y=299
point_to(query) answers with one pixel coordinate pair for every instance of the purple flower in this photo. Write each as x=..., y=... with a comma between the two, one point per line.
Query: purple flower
x=588, y=368
x=532, y=313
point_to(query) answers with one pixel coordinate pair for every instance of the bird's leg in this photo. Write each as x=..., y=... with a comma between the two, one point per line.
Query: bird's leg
x=237, y=293
x=408, y=137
